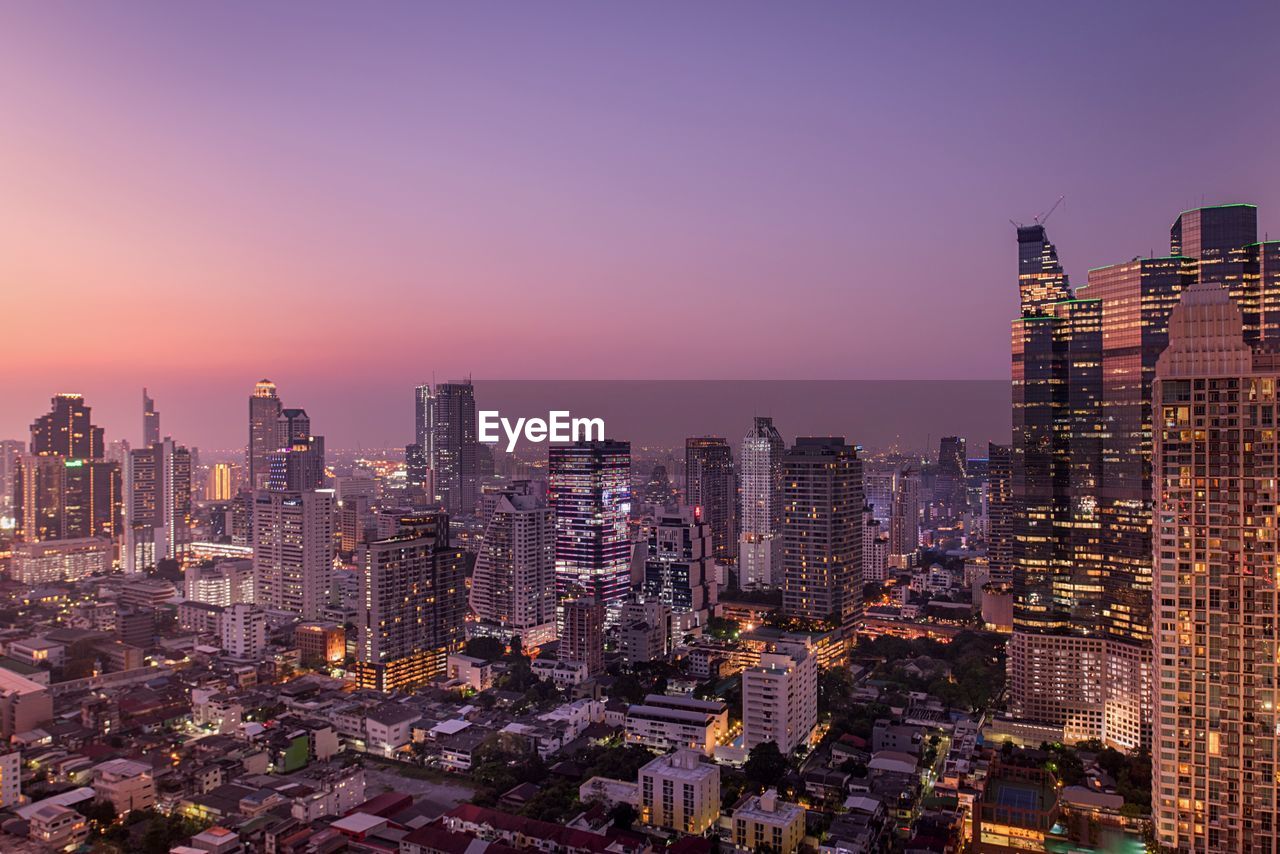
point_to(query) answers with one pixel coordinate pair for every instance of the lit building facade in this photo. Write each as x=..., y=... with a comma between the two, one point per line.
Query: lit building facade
x=1216, y=551
x=822, y=531
x=293, y=550
x=590, y=493
x=712, y=486
x=513, y=589
x=760, y=506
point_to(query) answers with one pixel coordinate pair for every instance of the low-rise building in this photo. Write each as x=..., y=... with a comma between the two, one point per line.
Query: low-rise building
x=127, y=784
x=680, y=792
x=763, y=822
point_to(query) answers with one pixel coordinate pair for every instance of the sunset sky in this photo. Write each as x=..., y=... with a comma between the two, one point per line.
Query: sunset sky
x=193, y=196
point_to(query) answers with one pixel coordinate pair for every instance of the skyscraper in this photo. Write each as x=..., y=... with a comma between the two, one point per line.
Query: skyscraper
x=513, y=588
x=1215, y=550
x=590, y=488
x=11, y=451
x=150, y=421
x=822, y=531
x=424, y=420
x=711, y=485
x=157, y=505
x=950, y=487
x=1078, y=658
x=1002, y=513
x=293, y=550
x=298, y=466
x=679, y=570
x=904, y=512
x=64, y=489
x=454, y=444
x=264, y=432
x=413, y=602
x=67, y=431
x=760, y=503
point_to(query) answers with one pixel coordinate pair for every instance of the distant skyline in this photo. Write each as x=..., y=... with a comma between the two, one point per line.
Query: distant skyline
x=350, y=199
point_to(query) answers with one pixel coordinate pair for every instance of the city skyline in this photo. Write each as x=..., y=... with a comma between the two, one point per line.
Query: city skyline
x=477, y=153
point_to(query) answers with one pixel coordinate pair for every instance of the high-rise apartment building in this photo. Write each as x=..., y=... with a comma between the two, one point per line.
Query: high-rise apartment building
x=513, y=588
x=904, y=511
x=582, y=638
x=712, y=486
x=780, y=699
x=412, y=604
x=760, y=506
x=11, y=452
x=293, y=550
x=681, y=792
x=454, y=444
x=264, y=432
x=1216, y=466
x=822, y=531
x=590, y=488
x=67, y=431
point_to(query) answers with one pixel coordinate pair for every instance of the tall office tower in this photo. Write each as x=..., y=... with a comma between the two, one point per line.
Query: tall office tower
x=264, y=432
x=413, y=604
x=11, y=452
x=293, y=550
x=590, y=488
x=292, y=427
x=1002, y=513
x=513, y=588
x=822, y=531
x=1216, y=468
x=712, y=485
x=1079, y=657
x=679, y=570
x=760, y=506
x=424, y=420
x=904, y=513
x=66, y=431
x=583, y=636
x=150, y=421
x=454, y=444
x=298, y=466
x=950, y=486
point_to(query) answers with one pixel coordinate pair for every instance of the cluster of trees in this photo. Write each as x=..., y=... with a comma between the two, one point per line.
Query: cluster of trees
x=141, y=832
x=1131, y=771
x=976, y=660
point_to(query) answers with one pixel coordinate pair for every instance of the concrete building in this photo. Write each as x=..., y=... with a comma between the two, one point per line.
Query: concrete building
x=763, y=822
x=244, y=631
x=661, y=722
x=760, y=506
x=58, y=828
x=54, y=561
x=10, y=780
x=24, y=704
x=126, y=784
x=226, y=583
x=583, y=636
x=680, y=792
x=293, y=550
x=645, y=632
x=780, y=700
x=513, y=587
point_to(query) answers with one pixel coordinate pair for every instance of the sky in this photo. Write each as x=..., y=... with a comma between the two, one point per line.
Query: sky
x=354, y=198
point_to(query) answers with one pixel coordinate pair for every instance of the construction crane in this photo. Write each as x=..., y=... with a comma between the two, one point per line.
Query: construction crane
x=1042, y=218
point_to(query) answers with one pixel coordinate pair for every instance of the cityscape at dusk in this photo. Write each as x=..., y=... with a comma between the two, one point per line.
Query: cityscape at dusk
x=639, y=429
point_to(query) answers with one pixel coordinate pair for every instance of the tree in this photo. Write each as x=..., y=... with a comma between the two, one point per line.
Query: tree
x=765, y=764
x=490, y=649
x=623, y=815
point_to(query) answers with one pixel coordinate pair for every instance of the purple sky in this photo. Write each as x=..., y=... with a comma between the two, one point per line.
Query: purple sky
x=362, y=195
